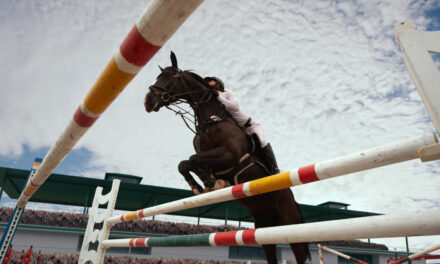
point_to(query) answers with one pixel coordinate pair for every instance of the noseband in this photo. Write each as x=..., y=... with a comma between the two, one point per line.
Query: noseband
x=166, y=97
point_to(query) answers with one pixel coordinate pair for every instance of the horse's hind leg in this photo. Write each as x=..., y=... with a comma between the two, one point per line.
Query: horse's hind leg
x=300, y=253
x=269, y=250
x=271, y=253
x=184, y=168
x=290, y=214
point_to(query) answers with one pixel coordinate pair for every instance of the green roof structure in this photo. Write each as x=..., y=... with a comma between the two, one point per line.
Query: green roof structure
x=79, y=191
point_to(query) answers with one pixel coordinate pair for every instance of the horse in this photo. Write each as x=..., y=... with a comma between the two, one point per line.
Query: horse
x=223, y=152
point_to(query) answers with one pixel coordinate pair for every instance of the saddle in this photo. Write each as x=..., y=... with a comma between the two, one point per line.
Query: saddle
x=253, y=157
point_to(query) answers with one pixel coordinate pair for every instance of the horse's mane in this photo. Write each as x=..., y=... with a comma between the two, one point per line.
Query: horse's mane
x=198, y=78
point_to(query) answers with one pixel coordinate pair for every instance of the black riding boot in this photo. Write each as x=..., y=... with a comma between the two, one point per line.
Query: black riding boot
x=269, y=157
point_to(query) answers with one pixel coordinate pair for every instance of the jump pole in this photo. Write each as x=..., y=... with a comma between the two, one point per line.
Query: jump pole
x=342, y=255
x=417, y=255
x=372, y=158
x=416, y=46
x=418, y=223
x=153, y=28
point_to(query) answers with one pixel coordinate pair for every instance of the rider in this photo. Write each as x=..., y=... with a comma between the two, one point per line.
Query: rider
x=228, y=99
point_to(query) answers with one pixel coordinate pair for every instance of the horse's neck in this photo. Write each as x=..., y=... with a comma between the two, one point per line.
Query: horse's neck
x=211, y=108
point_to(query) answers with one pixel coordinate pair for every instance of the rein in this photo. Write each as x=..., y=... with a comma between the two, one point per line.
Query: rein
x=166, y=97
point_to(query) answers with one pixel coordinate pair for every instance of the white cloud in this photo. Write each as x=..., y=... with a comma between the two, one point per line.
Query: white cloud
x=323, y=78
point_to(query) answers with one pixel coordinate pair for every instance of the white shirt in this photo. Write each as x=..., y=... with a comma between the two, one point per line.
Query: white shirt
x=228, y=99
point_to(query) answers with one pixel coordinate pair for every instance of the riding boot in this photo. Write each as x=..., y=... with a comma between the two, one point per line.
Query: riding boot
x=270, y=160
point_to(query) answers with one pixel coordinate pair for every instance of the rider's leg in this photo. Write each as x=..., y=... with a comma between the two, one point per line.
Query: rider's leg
x=266, y=149
x=269, y=156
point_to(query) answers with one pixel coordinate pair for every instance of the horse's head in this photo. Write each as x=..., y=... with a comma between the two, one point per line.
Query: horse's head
x=174, y=85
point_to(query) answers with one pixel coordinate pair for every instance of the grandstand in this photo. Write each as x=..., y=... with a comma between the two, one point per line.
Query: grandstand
x=62, y=232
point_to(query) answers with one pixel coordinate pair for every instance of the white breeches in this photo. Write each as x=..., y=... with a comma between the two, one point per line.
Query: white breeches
x=257, y=129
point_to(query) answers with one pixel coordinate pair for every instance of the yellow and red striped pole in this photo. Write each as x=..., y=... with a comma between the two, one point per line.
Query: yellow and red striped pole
x=153, y=28
x=390, y=153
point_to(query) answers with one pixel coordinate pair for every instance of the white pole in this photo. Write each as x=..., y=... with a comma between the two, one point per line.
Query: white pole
x=419, y=223
x=376, y=157
x=416, y=46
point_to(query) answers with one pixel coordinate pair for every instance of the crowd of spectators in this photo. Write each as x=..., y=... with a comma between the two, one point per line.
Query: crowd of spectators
x=354, y=244
x=58, y=258
x=64, y=219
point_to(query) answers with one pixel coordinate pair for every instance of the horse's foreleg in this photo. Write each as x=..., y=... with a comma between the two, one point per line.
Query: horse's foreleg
x=184, y=169
x=215, y=159
x=205, y=176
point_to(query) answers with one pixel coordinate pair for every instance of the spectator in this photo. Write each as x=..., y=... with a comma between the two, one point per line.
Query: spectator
x=23, y=257
x=8, y=254
x=27, y=259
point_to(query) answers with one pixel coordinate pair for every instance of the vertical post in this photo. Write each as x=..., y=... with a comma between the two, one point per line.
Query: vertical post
x=407, y=249
x=227, y=214
x=86, y=202
x=321, y=259
x=154, y=204
x=2, y=187
x=93, y=235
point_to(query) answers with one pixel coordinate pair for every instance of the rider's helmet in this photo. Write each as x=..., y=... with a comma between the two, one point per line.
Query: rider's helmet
x=219, y=85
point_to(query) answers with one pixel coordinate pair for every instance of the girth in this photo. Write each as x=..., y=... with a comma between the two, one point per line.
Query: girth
x=245, y=163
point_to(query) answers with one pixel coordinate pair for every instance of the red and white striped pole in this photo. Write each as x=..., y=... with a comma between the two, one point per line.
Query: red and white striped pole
x=153, y=28
x=417, y=255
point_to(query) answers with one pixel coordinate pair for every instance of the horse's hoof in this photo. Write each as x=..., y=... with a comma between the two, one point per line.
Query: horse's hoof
x=196, y=191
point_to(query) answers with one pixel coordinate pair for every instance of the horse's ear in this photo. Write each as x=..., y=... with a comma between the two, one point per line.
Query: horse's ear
x=161, y=69
x=173, y=60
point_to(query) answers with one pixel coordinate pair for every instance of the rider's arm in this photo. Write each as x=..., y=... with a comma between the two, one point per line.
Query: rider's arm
x=228, y=99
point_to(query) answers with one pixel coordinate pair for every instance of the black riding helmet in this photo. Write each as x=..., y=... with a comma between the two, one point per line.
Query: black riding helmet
x=220, y=85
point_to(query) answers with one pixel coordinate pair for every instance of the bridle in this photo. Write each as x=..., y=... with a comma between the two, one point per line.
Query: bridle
x=170, y=100
x=166, y=96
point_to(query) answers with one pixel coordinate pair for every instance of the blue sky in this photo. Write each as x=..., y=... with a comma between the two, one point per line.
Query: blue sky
x=324, y=78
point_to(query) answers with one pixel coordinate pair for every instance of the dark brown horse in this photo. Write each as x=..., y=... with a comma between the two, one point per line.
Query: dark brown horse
x=223, y=152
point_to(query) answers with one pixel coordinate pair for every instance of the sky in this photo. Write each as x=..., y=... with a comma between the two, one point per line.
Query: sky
x=323, y=78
